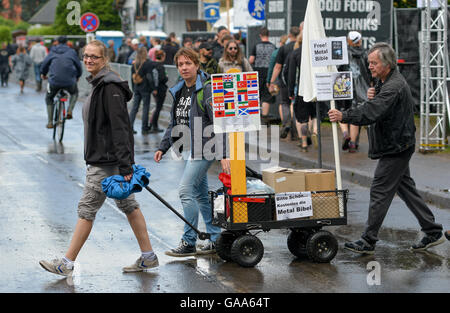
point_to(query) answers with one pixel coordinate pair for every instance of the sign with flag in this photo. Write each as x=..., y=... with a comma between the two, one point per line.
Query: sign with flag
x=236, y=103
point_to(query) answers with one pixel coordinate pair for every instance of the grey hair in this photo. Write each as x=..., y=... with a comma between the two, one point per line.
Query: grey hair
x=386, y=54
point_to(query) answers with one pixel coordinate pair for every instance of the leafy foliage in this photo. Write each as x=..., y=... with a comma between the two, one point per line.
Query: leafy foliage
x=5, y=34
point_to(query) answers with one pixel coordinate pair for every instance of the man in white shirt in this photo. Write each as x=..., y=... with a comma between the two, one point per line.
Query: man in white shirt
x=38, y=53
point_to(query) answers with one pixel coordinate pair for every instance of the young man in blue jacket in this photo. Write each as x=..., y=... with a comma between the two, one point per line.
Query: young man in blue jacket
x=63, y=68
x=191, y=119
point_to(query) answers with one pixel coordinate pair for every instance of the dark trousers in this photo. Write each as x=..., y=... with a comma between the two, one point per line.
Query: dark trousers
x=392, y=176
x=4, y=76
x=160, y=97
x=51, y=93
x=145, y=97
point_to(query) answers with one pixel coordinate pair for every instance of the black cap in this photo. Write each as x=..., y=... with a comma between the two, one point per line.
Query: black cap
x=205, y=45
x=62, y=39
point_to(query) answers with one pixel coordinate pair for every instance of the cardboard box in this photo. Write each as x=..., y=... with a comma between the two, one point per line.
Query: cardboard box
x=319, y=179
x=284, y=179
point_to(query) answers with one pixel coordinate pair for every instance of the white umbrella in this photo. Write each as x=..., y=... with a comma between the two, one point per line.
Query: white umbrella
x=313, y=30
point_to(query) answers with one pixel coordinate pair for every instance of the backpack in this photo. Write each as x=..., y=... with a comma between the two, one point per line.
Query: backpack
x=200, y=95
x=137, y=79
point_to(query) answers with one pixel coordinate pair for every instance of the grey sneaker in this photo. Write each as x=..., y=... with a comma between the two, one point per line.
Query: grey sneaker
x=56, y=266
x=208, y=248
x=184, y=249
x=141, y=264
x=428, y=241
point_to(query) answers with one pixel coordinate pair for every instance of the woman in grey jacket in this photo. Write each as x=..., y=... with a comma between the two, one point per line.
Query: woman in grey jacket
x=108, y=151
x=21, y=66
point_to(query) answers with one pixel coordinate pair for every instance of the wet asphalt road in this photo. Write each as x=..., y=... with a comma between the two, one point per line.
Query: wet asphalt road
x=41, y=183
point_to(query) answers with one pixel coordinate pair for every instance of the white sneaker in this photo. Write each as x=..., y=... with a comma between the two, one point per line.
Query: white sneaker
x=56, y=266
x=141, y=264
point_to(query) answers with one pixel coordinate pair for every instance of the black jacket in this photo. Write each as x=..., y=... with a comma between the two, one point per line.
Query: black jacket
x=109, y=138
x=294, y=62
x=390, y=116
x=143, y=71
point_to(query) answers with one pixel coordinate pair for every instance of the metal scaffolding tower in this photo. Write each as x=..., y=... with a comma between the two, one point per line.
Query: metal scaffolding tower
x=434, y=101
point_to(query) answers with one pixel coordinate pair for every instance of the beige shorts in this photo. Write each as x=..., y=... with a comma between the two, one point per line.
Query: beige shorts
x=93, y=196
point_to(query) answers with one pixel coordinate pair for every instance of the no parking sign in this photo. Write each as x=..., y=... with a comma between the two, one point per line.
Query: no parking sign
x=89, y=22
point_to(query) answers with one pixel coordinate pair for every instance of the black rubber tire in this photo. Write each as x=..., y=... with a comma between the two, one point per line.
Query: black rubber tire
x=58, y=127
x=247, y=250
x=223, y=245
x=296, y=243
x=322, y=246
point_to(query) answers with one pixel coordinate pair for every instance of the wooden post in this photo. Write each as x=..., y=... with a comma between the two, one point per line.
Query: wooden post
x=237, y=168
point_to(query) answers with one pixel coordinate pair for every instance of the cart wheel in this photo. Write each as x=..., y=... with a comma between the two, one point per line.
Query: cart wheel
x=223, y=245
x=322, y=246
x=247, y=250
x=296, y=243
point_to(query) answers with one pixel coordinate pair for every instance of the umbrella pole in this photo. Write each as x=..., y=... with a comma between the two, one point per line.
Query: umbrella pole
x=336, y=151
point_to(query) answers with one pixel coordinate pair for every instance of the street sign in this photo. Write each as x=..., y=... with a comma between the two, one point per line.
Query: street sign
x=89, y=22
x=212, y=13
x=256, y=9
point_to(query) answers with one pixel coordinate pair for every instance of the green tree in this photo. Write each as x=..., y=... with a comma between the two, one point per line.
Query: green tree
x=5, y=34
x=109, y=17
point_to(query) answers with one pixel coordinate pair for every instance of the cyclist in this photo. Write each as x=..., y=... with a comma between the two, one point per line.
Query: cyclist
x=64, y=69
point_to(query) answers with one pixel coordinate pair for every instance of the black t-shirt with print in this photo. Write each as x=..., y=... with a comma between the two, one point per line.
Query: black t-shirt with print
x=183, y=106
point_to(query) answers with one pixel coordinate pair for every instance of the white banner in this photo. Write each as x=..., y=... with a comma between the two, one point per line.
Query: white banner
x=289, y=205
x=330, y=51
x=334, y=86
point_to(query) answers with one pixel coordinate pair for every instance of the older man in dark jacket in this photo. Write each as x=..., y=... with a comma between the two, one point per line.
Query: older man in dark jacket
x=389, y=112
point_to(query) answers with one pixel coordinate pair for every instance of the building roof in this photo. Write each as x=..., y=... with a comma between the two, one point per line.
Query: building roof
x=46, y=15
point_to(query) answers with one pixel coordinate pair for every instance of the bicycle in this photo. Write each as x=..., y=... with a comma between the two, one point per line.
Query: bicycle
x=59, y=114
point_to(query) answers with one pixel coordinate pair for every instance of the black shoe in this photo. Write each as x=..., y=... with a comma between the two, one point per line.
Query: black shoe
x=208, y=248
x=184, y=249
x=156, y=130
x=285, y=132
x=447, y=234
x=360, y=246
x=345, y=143
x=428, y=241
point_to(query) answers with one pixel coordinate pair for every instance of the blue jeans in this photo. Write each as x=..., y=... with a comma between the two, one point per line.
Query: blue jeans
x=37, y=71
x=193, y=194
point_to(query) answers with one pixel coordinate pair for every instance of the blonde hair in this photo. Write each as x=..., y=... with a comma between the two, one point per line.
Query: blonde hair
x=141, y=55
x=103, y=50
